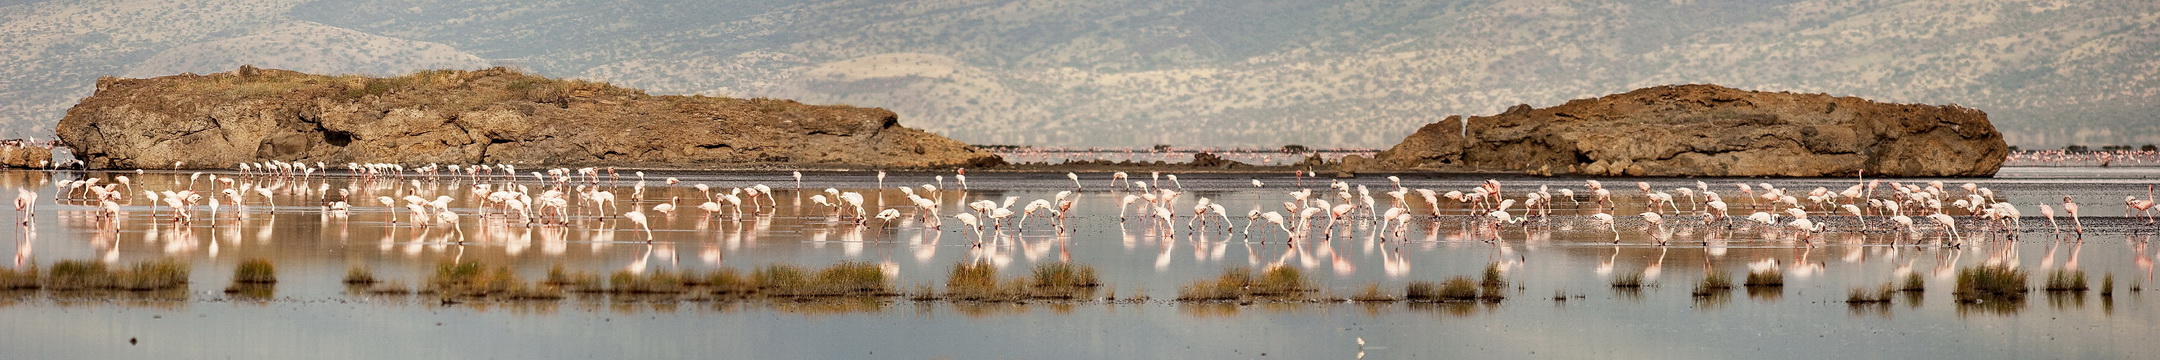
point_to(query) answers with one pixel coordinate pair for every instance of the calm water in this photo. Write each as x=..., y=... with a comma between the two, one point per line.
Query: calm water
x=311, y=314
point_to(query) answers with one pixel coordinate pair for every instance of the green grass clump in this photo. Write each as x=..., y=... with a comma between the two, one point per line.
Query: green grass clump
x=255, y=271
x=1628, y=280
x=1713, y=283
x=2066, y=280
x=1765, y=278
x=358, y=275
x=1914, y=283
x=1990, y=283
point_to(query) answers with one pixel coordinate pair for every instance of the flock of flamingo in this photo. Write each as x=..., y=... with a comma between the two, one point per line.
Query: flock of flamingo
x=565, y=196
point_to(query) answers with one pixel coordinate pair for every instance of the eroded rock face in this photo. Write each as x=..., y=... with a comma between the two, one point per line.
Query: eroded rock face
x=1710, y=130
x=475, y=117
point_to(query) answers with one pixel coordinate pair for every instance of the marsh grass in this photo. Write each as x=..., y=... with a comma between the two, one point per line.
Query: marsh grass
x=1275, y=283
x=1458, y=289
x=358, y=275
x=2066, y=280
x=1863, y=295
x=2107, y=284
x=1372, y=293
x=474, y=281
x=255, y=271
x=1628, y=281
x=1914, y=283
x=73, y=275
x=1421, y=291
x=978, y=282
x=1990, y=283
x=24, y=279
x=1713, y=283
x=577, y=281
x=657, y=282
x=1765, y=278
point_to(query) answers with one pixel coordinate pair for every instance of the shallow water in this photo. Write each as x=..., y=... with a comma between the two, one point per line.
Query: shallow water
x=311, y=314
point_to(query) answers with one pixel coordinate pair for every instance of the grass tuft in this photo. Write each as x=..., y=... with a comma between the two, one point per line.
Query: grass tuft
x=2066, y=280
x=2107, y=284
x=1628, y=280
x=255, y=271
x=1990, y=283
x=1713, y=283
x=1276, y=283
x=1459, y=289
x=1765, y=278
x=1914, y=283
x=358, y=275
x=1862, y=295
x=1372, y=293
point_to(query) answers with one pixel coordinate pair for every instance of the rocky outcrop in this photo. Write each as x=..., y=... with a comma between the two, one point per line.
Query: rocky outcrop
x=1708, y=130
x=23, y=155
x=474, y=117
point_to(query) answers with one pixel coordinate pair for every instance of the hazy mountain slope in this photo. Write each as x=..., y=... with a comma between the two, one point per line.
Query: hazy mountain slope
x=1197, y=72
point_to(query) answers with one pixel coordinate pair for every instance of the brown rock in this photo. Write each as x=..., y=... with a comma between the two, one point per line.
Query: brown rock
x=470, y=117
x=1710, y=130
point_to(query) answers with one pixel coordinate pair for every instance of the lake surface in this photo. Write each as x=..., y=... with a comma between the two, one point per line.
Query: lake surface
x=1566, y=255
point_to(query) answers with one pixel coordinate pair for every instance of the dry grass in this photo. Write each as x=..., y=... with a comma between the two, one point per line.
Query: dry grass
x=1765, y=278
x=579, y=281
x=1421, y=291
x=1372, y=293
x=1914, y=283
x=2107, y=284
x=978, y=282
x=25, y=279
x=1628, y=281
x=255, y=271
x=358, y=275
x=2066, y=280
x=161, y=274
x=1713, y=283
x=1990, y=283
x=1862, y=295
x=1458, y=289
x=1276, y=283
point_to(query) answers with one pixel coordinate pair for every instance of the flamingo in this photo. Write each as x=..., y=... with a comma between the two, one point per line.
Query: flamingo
x=1607, y=220
x=639, y=218
x=2071, y=208
x=969, y=220
x=2049, y=212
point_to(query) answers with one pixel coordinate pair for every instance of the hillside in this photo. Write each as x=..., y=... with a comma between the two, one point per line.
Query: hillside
x=489, y=116
x=1138, y=73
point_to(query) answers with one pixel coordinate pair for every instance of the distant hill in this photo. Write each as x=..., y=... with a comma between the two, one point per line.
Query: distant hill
x=1138, y=73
